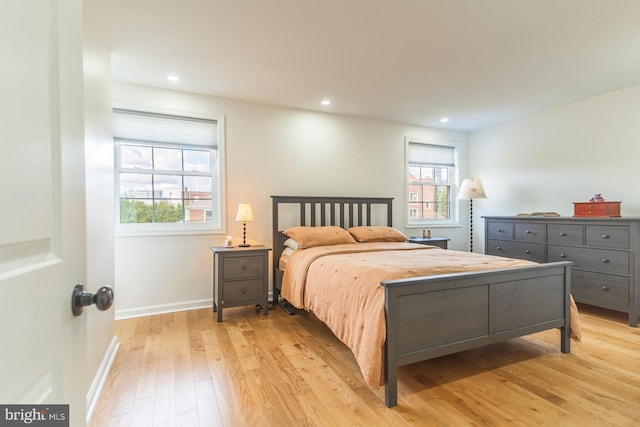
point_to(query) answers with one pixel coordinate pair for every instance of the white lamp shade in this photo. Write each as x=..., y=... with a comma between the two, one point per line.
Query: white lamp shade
x=471, y=188
x=244, y=212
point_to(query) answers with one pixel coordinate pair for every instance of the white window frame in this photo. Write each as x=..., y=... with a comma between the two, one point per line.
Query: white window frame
x=455, y=173
x=217, y=172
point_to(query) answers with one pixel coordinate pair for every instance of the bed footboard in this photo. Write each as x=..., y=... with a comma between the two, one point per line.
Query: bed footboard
x=428, y=317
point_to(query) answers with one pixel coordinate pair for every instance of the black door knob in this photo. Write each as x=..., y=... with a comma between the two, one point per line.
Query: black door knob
x=103, y=299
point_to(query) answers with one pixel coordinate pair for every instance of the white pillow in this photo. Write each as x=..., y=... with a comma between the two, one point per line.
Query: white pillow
x=287, y=252
x=290, y=243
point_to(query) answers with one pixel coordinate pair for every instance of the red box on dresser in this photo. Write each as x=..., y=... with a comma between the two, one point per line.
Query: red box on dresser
x=606, y=209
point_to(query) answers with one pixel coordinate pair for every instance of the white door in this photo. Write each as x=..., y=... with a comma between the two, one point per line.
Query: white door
x=42, y=224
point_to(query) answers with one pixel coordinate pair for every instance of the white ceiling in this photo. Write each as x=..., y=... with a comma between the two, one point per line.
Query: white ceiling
x=478, y=62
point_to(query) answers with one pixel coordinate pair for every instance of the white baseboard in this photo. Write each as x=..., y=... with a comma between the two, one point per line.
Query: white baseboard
x=163, y=308
x=101, y=377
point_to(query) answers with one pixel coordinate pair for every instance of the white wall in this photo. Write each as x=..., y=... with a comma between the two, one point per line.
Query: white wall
x=99, y=200
x=559, y=156
x=269, y=151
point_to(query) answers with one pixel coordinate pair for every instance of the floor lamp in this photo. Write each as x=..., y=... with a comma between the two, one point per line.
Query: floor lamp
x=470, y=189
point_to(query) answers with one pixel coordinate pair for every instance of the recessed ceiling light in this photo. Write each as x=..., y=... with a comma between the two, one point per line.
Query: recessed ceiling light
x=444, y=119
x=325, y=102
x=173, y=78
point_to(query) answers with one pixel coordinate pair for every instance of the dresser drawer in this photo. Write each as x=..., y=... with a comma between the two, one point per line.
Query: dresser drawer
x=242, y=290
x=565, y=234
x=608, y=236
x=600, y=289
x=520, y=250
x=530, y=232
x=241, y=267
x=500, y=230
x=591, y=259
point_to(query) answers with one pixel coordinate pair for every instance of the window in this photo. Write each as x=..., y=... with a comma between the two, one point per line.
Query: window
x=167, y=173
x=431, y=172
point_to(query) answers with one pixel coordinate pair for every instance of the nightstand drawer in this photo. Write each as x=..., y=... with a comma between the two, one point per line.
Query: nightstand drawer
x=242, y=267
x=242, y=290
x=600, y=289
x=591, y=259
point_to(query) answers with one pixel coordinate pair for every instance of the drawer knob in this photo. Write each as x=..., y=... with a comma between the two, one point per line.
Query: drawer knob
x=606, y=261
x=605, y=236
x=604, y=288
x=498, y=248
x=498, y=230
x=563, y=256
x=563, y=234
x=527, y=232
x=243, y=266
x=243, y=290
x=527, y=251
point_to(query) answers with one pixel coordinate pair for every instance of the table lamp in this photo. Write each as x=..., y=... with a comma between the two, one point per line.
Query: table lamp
x=244, y=214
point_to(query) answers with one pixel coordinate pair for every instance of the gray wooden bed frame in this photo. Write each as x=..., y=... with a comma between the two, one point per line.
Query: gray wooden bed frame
x=432, y=316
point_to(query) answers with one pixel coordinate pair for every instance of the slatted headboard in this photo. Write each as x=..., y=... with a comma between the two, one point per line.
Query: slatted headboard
x=345, y=212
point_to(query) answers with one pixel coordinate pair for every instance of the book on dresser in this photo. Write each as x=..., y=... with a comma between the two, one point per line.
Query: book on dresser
x=604, y=251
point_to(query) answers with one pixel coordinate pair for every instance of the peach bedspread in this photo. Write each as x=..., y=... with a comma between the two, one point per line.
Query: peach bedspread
x=340, y=284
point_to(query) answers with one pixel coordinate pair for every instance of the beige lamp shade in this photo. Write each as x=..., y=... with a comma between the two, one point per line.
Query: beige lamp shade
x=244, y=213
x=471, y=188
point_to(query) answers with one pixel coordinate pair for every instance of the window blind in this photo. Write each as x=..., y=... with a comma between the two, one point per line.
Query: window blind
x=437, y=155
x=136, y=126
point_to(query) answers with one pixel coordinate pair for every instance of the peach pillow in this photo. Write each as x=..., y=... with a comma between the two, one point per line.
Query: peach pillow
x=308, y=237
x=377, y=234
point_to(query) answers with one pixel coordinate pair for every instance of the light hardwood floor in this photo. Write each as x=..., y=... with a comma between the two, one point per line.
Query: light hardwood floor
x=186, y=369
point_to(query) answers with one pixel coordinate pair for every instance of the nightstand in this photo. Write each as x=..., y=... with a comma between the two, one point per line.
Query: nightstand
x=435, y=241
x=240, y=277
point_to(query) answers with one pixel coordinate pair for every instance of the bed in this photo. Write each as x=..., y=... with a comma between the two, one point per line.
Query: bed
x=423, y=302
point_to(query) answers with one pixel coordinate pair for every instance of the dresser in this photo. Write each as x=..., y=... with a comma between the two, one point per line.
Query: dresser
x=240, y=277
x=605, y=253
